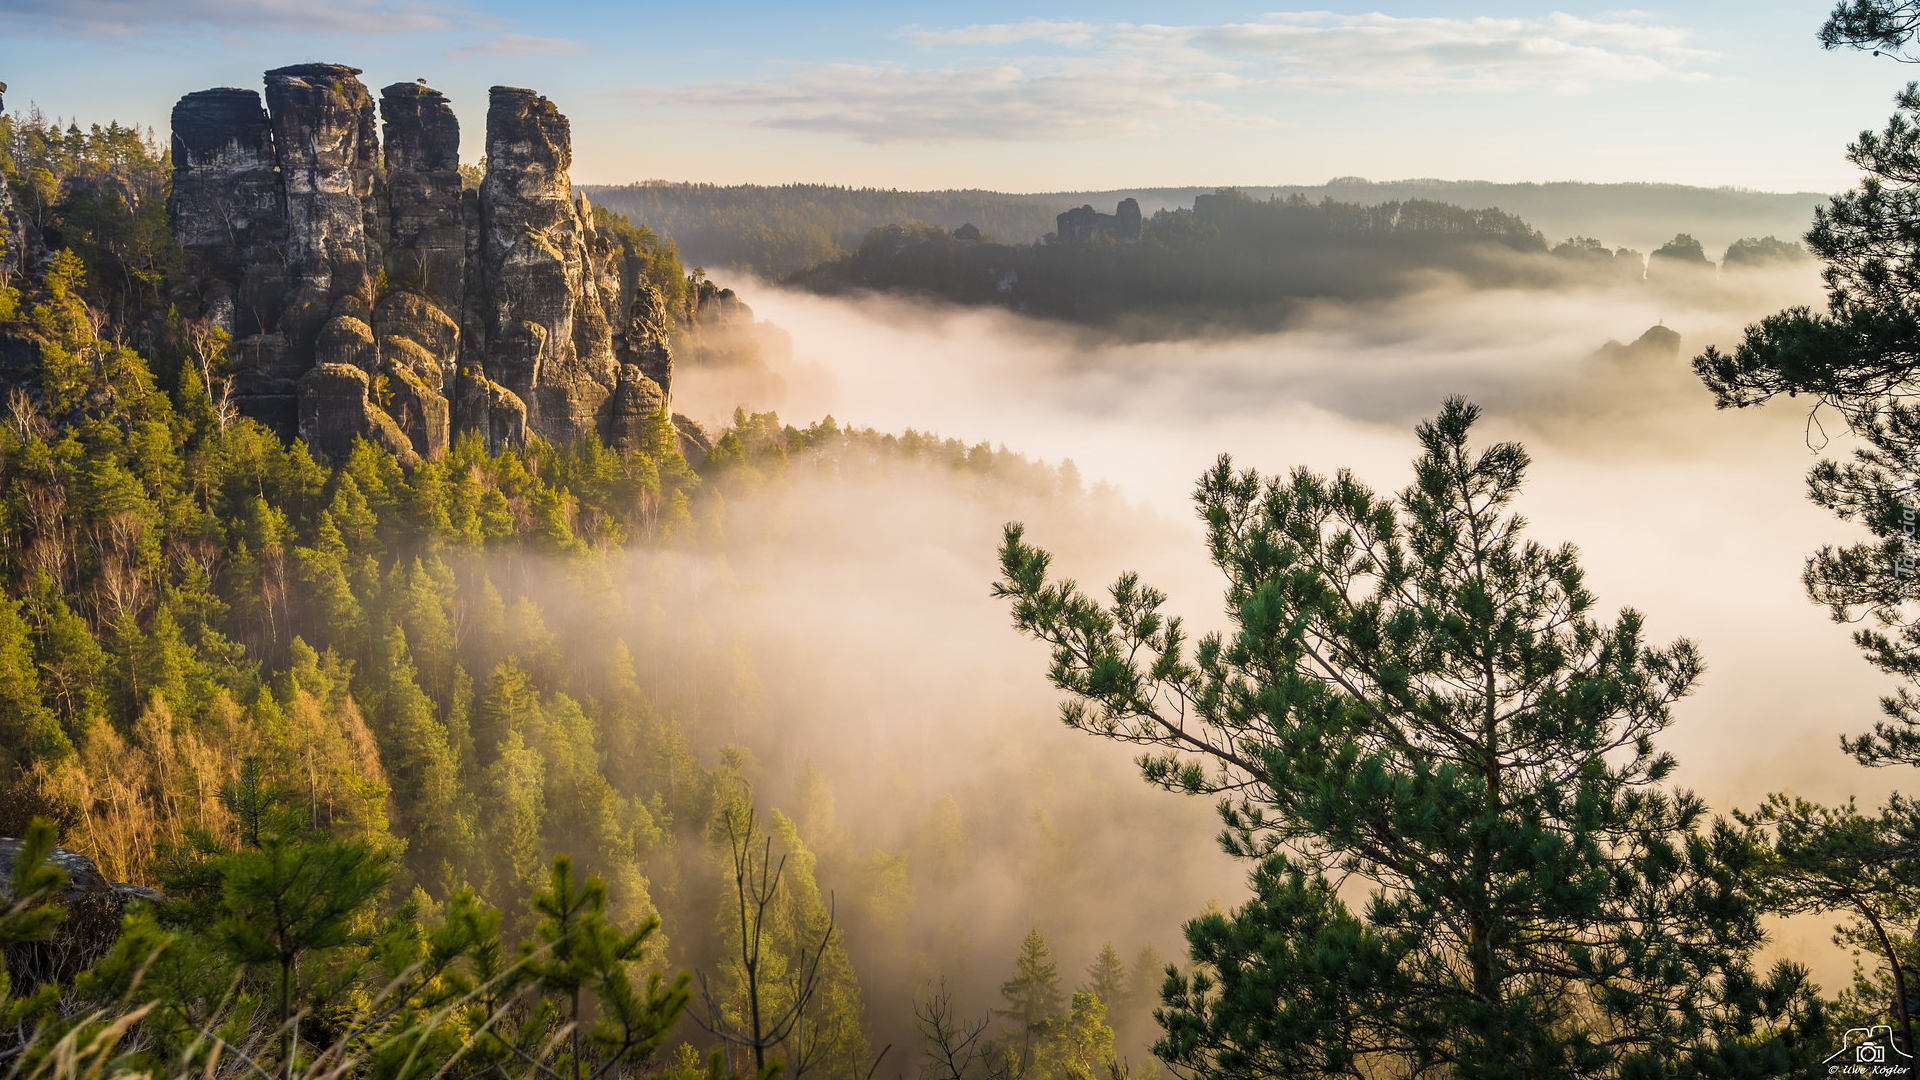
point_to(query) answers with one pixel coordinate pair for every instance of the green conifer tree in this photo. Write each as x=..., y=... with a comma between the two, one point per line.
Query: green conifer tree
x=1107, y=980
x=1033, y=996
x=290, y=898
x=1417, y=697
x=1859, y=356
x=29, y=731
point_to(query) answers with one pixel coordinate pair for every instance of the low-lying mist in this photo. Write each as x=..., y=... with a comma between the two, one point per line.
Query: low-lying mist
x=899, y=676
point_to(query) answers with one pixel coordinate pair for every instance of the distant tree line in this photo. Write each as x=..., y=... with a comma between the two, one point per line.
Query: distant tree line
x=1237, y=262
x=774, y=230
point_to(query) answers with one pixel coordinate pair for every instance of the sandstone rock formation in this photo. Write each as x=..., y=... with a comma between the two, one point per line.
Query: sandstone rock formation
x=83, y=877
x=548, y=335
x=13, y=228
x=1083, y=224
x=372, y=294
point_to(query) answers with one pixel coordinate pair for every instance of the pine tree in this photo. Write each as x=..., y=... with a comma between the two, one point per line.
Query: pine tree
x=1080, y=1047
x=290, y=898
x=510, y=705
x=28, y=730
x=577, y=952
x=1416, y=696
x=1144, y=978
x=436, y=810
x=513, y=808
x=1861, y=357
x=1033, y=996
x=1107, y=980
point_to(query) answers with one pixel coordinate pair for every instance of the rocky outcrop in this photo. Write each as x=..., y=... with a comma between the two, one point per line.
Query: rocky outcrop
x=426, y=250
x=229, y=214
x=83, y=876
x=13, y=228
x=323, y=131
x=329, y=247
x=644, y=343
x=548, y=338
x=1084, y=224
x=338, y=405
x=1659, y=346
x=418, y=321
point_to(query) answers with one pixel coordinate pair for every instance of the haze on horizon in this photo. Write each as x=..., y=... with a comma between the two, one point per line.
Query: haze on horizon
x=1018, y=98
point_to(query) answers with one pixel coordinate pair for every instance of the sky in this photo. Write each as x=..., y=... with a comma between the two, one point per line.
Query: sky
x=1024, y=97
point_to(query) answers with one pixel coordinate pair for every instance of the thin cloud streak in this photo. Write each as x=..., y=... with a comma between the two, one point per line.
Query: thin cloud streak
x=891, y=104
x=128, y=18
x=518, y=45
x=1063, y=33
x=1073, y=81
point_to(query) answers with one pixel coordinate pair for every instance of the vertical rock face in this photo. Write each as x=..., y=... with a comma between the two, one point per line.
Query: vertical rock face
x=13, y=229
x=336, y=407
x=418, y=321
x=549, y=342
x=644, y=341
x=1126, y=221
x=503, y=311
x=1084, y=224
x=323, y=130
x=229, y=213
x=426, y=249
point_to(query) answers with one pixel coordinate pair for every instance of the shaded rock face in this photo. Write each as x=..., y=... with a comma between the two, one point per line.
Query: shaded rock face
x=229, y=213
x=427, y=237
x=323, y=131
x=503, y=311
x=1084, y=224
x=418, y=322
x=337, y=406
x=83, y=876
x=548, y=338
x=644, y=343
x=13, y=228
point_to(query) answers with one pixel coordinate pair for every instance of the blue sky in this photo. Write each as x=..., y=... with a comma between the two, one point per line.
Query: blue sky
x=1025, y=98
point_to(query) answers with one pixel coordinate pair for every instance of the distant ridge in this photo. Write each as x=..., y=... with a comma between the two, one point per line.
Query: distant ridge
x=775, y=229
x=1636, y=215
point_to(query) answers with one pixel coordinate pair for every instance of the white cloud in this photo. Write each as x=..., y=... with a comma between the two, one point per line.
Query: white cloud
x=891, y=104
x=118, y=18
x=1326, y=51
x=518, y=45
x=1067, y=81
x=1065, y=33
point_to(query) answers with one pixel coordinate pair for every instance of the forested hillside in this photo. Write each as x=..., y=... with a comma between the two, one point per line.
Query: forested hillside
x=1623, y=215
x=772, y=231
x=333, y=751
x=364, y=724
x=1238, y=263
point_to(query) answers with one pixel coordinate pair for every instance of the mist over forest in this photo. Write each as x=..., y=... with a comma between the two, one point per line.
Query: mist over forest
x=458, y=623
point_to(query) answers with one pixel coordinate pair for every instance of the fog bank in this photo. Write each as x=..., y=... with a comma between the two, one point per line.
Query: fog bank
x=1694, y=516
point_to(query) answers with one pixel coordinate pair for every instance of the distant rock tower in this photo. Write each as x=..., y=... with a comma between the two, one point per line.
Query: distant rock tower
x=1084, y=224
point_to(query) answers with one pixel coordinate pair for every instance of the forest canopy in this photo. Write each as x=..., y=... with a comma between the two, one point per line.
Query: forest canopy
x=1236, y=262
